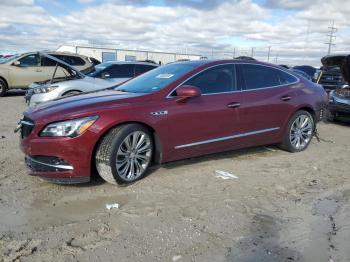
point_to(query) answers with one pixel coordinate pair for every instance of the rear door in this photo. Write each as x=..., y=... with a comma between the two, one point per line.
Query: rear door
x=268, y=101
x=208, y=123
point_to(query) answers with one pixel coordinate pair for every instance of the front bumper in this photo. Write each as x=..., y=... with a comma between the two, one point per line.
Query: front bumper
x=60, y=160
x=340, y=111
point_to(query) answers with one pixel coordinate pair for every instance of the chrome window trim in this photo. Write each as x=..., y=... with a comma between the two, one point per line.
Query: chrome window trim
x=236, y=91
x=227, y=137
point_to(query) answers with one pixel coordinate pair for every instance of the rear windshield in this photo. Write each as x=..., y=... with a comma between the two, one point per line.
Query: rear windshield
x=156, y=79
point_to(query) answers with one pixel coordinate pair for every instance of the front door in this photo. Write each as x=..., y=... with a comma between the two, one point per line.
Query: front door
x=28, y=71
x=208, y=123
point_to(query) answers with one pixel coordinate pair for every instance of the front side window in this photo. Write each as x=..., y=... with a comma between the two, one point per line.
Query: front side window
x=259, y=76
x=219, y=79
x=30, y=60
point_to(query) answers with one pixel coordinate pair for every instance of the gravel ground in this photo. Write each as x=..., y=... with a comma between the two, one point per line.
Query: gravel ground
x=282, y=207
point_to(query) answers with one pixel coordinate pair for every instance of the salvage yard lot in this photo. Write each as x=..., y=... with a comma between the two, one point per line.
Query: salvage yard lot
x=282, y=207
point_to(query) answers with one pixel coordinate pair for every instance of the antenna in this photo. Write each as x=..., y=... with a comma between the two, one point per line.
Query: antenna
x=332, y=31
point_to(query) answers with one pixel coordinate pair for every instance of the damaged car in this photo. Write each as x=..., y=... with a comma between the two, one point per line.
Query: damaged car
x=330, y=75
x=177, y=111
x=104, y=76
x=339, y=104
x=19, y=71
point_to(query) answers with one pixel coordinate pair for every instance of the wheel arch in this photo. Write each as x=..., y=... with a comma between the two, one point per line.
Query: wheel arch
x=6, y=82
x=158, y=152
x=71, y=90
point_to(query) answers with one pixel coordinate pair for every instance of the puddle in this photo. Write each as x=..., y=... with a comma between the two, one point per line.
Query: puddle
x=68, y=210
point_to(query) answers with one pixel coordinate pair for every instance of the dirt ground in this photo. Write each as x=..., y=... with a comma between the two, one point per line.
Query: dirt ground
x=282, y=207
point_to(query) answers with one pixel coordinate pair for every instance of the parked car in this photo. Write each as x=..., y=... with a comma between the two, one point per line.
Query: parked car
x=302, y=73
x=309, y=70
x=176, y=111
x=330, y=76
x=19, y=71
x=339, y=104
x=104, y=76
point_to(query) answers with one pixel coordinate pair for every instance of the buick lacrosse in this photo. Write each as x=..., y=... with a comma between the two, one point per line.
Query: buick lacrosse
x=176, y=111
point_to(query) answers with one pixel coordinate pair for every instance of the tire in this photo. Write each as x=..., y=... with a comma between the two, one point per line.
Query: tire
x=297, y=132
x=117, y=163
x=72, y=93
x=3, y=87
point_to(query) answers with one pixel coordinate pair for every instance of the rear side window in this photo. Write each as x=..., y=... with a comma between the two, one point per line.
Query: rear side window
x=259, y=76
x=47, y=62
x=71, y=60
x=120, y=71
x=140, y=69
x=219, y=79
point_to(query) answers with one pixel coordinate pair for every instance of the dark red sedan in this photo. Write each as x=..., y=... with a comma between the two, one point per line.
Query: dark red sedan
x=176, y=111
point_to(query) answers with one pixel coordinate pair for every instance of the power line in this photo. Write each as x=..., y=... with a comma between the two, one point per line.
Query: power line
x=332, y=31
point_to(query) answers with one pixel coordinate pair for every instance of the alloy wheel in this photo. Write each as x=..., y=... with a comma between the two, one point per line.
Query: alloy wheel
x=134, y=155
x=301, y=131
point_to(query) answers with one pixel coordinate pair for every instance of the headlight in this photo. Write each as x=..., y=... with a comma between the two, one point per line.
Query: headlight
x=69, y=128
x=45, y=89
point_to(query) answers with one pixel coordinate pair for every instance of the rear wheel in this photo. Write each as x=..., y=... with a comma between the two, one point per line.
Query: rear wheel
x=301, y=128
x=124, y=154
x=3, y=87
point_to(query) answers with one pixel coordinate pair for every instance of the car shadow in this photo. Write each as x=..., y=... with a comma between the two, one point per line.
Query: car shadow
x=96, y=180
x=337, y=122
x=15, y=93
x=219, y=156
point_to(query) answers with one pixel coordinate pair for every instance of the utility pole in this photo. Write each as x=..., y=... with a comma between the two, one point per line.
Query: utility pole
x=252, y=52
x=268, y=54
x=276, y=60
x=332, y=31
x=234, y=53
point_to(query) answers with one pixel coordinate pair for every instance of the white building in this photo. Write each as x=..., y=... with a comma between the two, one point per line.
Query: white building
x=110, y=54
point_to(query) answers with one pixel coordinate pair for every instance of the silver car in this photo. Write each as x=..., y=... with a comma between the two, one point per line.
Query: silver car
x=106, y=75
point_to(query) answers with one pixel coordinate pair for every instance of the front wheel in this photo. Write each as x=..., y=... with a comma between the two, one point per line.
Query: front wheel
x=3, y=87
x=124, y=154
x=301, y=128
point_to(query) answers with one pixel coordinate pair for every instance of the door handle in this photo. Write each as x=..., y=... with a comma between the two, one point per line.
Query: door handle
x=233, y=105
x=286, y=98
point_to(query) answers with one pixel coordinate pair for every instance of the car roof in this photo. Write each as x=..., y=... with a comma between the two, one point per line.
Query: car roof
x=129, y=62
x=209, y=62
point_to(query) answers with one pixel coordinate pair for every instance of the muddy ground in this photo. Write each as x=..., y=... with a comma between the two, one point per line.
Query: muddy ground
x=282, y=207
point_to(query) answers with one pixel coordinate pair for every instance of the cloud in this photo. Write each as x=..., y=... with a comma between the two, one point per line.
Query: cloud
x=295, y=30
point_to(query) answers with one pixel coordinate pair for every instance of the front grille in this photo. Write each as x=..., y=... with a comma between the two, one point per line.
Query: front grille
x=27, y=126
x=331, y=80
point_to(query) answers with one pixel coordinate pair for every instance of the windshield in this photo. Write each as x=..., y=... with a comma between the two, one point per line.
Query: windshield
x=156, y=79
x=5, y=60
x=98, y=69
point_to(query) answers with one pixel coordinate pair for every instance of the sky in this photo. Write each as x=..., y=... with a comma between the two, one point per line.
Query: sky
x=295, y=31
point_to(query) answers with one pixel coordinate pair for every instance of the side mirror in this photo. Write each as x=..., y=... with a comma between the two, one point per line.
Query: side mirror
x=185, y=92
x=16, y=63
x=105, y=75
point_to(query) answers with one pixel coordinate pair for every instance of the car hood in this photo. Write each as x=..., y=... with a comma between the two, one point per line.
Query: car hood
x=81, y=105
x=332, y=60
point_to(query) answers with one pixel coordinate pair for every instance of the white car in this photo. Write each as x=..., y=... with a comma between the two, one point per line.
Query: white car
x=106, y=75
